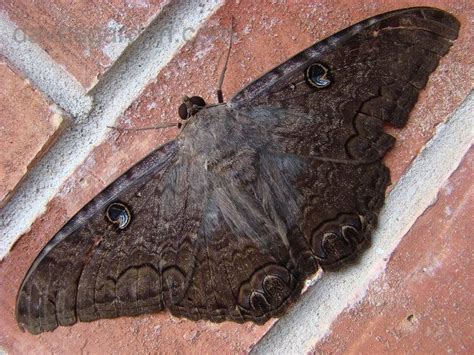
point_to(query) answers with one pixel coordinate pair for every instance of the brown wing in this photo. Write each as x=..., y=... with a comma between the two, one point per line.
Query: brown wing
x=170, y=233
x=334, y=99
x=57, y=289
x=376, y=67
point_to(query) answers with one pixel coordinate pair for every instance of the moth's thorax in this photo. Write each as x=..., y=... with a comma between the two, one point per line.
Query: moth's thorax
x=209, y=131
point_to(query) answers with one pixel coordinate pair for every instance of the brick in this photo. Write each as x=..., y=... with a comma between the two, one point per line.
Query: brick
x=28, y=126
x=267, y=34
x=84, y=36
x=423, y=303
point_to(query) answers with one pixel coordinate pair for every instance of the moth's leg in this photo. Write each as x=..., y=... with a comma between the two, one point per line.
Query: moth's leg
x=220, y=96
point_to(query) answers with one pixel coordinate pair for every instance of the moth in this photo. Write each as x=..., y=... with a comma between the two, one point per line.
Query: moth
x=254, y=196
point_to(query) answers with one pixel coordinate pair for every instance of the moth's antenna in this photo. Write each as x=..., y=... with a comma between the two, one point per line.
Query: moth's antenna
x=161, y=126
x=220, y=96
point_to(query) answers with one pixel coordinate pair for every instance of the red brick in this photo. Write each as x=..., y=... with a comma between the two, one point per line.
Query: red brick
x=423, y=303
x=267, y=34
x=84, y=36
x=28, y=126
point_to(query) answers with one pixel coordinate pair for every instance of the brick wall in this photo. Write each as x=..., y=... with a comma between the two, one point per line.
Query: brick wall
x=68, y=71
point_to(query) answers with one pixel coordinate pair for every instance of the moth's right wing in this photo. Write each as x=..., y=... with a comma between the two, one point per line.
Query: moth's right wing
x=327, y=107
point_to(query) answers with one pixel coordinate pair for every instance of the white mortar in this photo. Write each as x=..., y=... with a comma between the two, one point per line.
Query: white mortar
x=36, y=65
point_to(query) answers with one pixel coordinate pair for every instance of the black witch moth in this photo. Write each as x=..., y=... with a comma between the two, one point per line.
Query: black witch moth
x=254, y=195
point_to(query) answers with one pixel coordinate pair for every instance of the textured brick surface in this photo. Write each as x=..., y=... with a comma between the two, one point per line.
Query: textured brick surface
x=267, y=34
x=28, y=125
x=84, y=36
x=423, y=303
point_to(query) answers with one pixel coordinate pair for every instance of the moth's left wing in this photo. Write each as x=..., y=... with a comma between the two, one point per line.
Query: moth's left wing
x=178, y=231
x=60, y=286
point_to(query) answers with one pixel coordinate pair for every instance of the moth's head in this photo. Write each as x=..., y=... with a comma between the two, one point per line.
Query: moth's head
x=190, y=106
